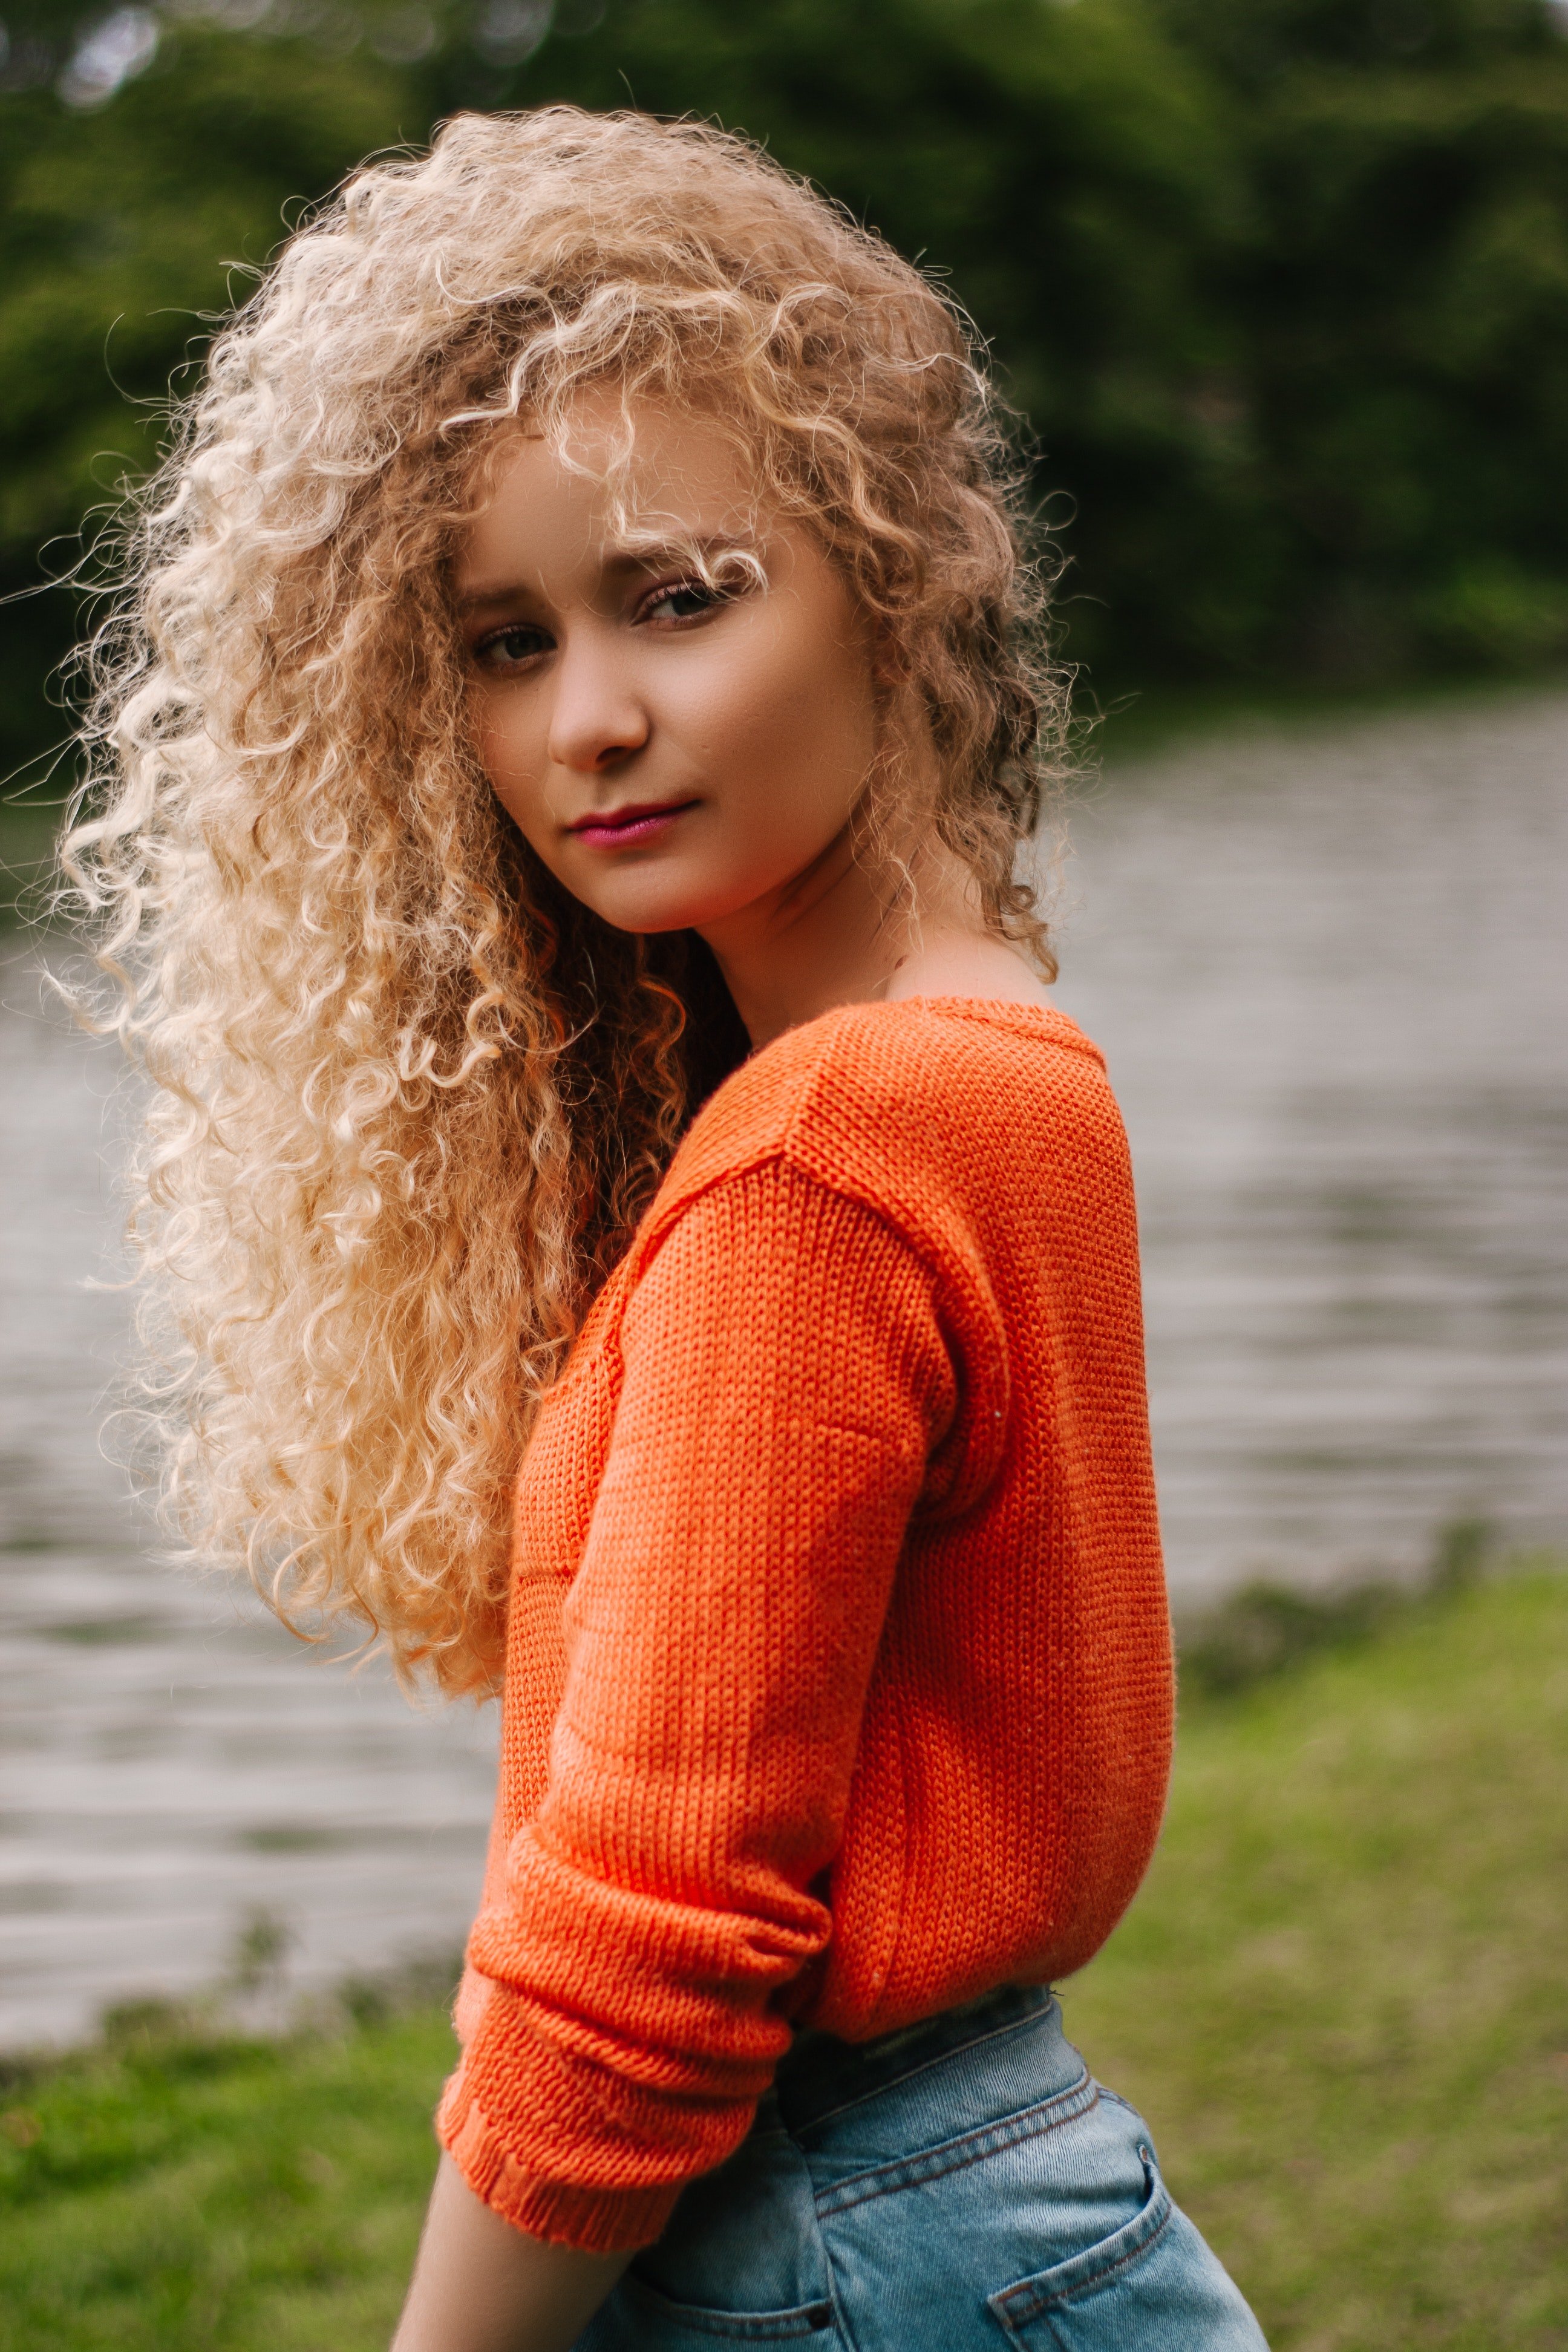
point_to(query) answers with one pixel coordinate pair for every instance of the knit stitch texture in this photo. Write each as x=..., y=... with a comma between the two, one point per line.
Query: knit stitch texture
x=838, y=1685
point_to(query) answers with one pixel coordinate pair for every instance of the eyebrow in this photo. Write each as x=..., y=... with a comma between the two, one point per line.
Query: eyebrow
x=634, y=555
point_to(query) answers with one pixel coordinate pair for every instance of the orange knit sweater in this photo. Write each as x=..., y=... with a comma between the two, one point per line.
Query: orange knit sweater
x=839, y=1686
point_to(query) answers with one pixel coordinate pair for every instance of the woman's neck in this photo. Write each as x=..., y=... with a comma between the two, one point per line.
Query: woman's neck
x=842, y=933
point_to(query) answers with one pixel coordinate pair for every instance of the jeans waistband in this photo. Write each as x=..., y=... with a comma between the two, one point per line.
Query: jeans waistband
x=819, y=2073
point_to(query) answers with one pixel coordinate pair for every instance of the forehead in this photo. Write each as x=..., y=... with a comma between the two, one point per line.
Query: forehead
x=622, y=474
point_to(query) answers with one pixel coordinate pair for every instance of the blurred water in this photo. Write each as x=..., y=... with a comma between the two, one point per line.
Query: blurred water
x=169, y=1757
x=1328, y=969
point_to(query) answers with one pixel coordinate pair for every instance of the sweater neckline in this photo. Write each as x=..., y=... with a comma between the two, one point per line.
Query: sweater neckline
x=1040, y=1022
x=984, y=1007
x=1000, y=1011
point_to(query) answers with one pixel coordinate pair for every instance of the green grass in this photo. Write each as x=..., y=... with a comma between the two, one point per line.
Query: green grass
x=1342, y=2000
x=250, y=2196
x=1342, y=1997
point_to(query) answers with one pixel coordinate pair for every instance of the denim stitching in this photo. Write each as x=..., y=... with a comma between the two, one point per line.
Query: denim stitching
x=953, y=2155
x=736, y=2327
x=896, y=2082
x=1033, y=2304
x=840, y=2312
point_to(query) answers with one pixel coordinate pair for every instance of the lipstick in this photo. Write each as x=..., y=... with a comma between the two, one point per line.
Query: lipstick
x=638, y=821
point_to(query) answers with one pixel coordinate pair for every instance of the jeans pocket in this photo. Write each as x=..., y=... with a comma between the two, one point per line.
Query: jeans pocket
x=656, y=2320
x=1153, y=2286
x=1069, y=2303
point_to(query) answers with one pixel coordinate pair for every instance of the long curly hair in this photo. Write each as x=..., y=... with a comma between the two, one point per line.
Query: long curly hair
x=407, y=1096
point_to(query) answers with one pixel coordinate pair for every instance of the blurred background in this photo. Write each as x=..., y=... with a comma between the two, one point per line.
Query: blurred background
x=1281, y=290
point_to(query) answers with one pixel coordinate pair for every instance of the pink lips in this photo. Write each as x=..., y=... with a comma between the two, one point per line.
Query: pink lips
x=617, y=828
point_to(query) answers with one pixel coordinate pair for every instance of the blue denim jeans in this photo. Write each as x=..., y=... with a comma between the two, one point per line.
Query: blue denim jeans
x=964, y=2183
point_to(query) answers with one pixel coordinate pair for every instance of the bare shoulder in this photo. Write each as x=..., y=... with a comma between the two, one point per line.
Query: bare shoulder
x=952, y=963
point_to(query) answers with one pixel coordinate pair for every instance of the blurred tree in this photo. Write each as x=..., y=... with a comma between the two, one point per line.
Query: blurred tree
x=1404, y=301
x=1278, y=282
x=124, y=222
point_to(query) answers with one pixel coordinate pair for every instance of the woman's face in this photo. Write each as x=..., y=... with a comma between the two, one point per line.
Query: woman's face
x=674, y=755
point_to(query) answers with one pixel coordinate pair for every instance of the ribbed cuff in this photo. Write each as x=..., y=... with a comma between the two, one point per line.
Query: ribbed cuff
x=563, y=2212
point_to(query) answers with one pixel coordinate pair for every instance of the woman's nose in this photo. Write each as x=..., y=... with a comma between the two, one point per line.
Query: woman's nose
x=597, y=717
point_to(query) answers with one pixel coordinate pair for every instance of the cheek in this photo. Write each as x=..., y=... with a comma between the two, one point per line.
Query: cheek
x=513, y=755
x=791, y=736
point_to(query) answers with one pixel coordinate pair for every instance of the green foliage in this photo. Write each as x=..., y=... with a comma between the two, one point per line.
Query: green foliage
x=1264, y=1628
x=1408, y=335
x=1339, y=1998
x=125, y=231
x=1278, y=283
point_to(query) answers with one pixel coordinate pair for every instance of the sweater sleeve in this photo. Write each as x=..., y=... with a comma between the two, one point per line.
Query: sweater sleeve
x=784, y=1382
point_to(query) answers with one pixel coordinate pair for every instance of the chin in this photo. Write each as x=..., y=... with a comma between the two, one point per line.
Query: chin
x=682, y=905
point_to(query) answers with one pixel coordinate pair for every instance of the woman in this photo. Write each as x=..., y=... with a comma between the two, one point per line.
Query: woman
x=570, y=743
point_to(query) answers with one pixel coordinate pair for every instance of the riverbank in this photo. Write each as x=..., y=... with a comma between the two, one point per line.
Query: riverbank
x=28, y=837
x=1122, y=730
x=1339, y=1998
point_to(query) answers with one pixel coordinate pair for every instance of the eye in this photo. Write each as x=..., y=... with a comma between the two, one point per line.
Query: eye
x=685, y=601
x=510, y=648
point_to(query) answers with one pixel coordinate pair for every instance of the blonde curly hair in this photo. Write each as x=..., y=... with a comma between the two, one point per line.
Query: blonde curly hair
x=408, y=1097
